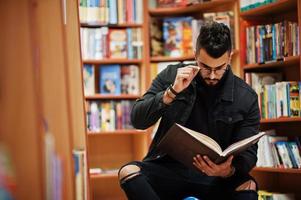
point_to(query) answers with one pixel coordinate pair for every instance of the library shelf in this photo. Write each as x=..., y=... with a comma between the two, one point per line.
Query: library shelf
x=103, y=175
x=125, y=25
x=196, y=8
x=286, y=62
x=113, y=61
x=281, y=120
x=280, y=6
x=112, y=97
x=277, y=170
x=117, y=132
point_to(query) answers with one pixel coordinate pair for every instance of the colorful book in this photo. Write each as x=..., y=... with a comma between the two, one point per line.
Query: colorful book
x=110, y=81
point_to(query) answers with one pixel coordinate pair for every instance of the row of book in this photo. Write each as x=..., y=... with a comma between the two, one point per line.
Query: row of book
x=276, y=98
x=104, y=42
x=278, y=151
x=265, y=195
x=7, y=175
x=176, y=36
x=272, y=41
x=108, y=115
x=113, y=79
x=80, y=170
x=111, y=11
x=247, y=4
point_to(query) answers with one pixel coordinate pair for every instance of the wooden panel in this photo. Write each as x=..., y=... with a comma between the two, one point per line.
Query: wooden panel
x=278, y=7
x=110, y=97
x=278, y=182
x=109, y=152
x=125, y=25
x=213, y=6
x=75, y=76
x=19, y=129
x=53, y=82
x=107, y=189
x=113, y=61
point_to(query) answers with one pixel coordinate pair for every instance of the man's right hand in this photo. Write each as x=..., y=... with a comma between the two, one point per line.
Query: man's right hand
x=184, y=77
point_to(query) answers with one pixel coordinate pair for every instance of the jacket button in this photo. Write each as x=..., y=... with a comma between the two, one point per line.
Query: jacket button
x=230, y=119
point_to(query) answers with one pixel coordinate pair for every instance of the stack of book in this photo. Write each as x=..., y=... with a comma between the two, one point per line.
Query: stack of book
x=272, y=42
x=276, y=98
x=278, y=151
x=110, y=12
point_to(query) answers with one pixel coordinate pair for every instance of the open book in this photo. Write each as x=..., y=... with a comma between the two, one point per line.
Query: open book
x=183, y=144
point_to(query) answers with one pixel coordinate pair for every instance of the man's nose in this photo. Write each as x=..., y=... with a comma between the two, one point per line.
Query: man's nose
x=212, y=74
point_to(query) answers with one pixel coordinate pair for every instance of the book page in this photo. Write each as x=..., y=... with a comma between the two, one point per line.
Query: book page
x=240, y=144
x=209, y=142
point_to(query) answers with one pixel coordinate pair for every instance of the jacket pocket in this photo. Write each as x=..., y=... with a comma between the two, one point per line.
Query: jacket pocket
x=226, y=126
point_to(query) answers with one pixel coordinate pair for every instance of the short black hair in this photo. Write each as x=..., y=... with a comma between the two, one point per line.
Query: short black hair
x=214, y=38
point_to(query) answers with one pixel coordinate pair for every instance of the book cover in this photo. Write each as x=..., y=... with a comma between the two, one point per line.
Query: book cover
x=118, y=43
x=89, y=80
x=130, y=79
x=183, y=144
x=172, y=37
x=110, y=81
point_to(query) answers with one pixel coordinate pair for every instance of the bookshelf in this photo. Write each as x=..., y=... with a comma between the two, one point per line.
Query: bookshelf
x=109, y=149
x=275, y=179
x=41, y=90
x=196, y=11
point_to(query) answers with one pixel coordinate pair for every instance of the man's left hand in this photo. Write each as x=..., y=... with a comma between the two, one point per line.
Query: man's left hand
x=208, y=167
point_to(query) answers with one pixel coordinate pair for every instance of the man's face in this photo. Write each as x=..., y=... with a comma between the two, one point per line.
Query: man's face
x=212, y=69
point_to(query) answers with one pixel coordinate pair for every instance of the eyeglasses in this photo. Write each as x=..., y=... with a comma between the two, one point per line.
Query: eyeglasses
x=208, y=70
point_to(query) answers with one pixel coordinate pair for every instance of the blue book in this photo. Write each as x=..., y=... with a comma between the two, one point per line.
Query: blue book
x=109, y=78
x=129, y=44
x=113, y=11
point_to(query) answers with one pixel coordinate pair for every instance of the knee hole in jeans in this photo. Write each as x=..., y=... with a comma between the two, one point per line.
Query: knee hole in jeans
x=248, y=185
x=128, y=171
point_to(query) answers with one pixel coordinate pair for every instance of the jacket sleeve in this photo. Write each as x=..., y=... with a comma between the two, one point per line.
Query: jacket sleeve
x=147, y=110
x=246, y=160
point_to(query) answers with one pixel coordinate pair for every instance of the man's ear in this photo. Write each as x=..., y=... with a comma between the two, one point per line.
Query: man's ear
x=230, y=57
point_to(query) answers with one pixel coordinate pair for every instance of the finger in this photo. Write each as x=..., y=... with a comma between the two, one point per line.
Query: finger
x=210, y=163
x=195, y=69
x=204, y=165
x=197, y=164
x=228, y=162
x=183, y=76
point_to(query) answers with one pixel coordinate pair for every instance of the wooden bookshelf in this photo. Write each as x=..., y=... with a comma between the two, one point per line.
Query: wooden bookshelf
x=116, y=133
x=111, y=97
x=269, y=178
x=96, y=25
x=112, y=61
x=103, y=175
x=214, y=6
x=112, y=149
x=278, y=7
x=277, y=170
x=287, y=62
x=41, y=94
x=281, y=120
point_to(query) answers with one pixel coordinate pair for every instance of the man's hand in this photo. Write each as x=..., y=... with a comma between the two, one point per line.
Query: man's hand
x=211, y=169
x=184, y=77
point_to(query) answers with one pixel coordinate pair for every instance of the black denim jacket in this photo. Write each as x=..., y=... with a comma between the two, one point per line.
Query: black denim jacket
x=236, y=113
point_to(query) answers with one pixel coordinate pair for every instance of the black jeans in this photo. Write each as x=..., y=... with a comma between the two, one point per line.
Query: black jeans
x=172, y=181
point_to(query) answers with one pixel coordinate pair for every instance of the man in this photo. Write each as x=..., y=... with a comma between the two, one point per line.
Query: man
x=209, y=99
